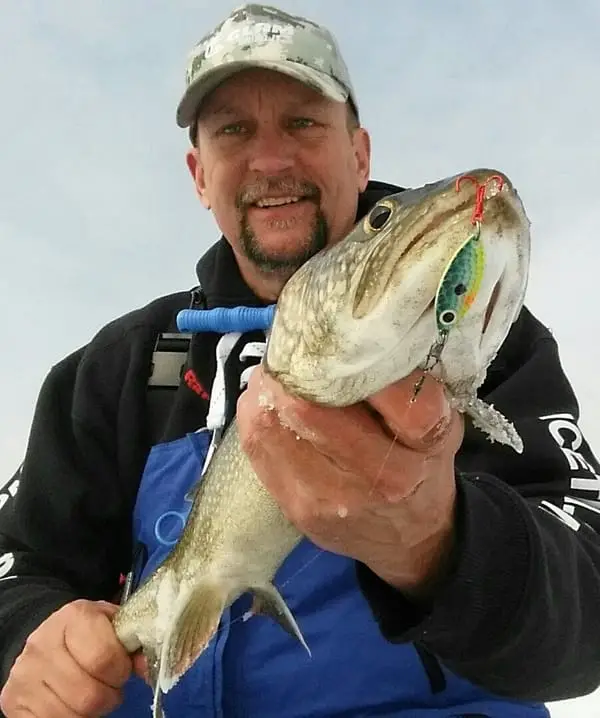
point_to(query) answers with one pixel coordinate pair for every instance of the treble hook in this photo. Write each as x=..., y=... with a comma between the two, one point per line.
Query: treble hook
x=480, y=193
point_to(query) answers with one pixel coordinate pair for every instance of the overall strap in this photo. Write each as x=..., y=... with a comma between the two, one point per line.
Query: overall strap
x=168, y=360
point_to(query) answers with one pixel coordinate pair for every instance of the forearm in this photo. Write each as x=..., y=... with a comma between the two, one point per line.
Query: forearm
x=518, y=614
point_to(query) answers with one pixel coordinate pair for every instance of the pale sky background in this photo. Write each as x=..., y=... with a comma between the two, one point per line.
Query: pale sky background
x=98, y=215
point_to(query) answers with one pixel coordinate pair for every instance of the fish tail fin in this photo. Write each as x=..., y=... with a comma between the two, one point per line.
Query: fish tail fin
x=269, y=602
x=196, y=621
x=489, y=420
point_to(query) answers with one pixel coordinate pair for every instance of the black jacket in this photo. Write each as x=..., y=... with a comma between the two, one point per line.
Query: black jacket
x=519, y=614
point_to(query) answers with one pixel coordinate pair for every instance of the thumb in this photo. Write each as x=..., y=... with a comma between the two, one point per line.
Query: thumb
x=417, y=421
x=140, y=666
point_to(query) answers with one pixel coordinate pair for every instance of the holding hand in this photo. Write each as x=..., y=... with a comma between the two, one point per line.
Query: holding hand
x=72, y=665
x=373, y=481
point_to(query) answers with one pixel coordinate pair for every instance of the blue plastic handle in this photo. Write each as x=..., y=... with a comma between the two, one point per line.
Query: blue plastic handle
x=225, y=319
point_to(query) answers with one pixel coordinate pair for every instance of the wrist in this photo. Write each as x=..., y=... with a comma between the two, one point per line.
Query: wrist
x=428, y=565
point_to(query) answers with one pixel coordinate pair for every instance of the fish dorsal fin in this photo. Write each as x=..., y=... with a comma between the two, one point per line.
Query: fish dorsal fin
x=194, y=625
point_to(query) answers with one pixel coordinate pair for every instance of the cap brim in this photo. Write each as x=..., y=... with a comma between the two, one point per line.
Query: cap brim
x=203, y=85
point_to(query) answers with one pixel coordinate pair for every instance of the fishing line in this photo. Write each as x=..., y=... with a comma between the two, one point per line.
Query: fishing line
x=384, y=462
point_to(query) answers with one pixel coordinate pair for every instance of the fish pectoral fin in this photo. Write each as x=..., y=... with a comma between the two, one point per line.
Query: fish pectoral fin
x=490, y=421
x=194, y=625
x=269, y=602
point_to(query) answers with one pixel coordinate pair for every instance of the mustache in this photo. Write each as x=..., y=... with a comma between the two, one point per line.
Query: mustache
x=278, y=186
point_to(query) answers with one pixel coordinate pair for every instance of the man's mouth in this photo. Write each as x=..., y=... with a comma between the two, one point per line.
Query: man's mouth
x=276, y=201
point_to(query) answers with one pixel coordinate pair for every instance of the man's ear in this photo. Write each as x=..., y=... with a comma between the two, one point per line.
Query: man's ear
x=197, y=171
x=362, y=154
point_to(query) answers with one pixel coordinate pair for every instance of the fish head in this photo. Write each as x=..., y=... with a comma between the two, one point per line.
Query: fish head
x=367, y=311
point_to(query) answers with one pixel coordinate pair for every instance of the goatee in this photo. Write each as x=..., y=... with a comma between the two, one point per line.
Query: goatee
x=289, y=261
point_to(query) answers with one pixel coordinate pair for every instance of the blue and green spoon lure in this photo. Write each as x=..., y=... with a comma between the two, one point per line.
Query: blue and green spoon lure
x=460, y=283
x=456, y=293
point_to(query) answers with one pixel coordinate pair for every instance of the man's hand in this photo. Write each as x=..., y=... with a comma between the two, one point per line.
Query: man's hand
x=72, y=665
x=374, y=481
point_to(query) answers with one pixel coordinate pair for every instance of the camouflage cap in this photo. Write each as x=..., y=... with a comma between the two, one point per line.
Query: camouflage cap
x=264, y=36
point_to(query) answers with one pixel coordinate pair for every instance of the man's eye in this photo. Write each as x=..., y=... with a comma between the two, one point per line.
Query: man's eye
x=301, y=123
x=235, y=128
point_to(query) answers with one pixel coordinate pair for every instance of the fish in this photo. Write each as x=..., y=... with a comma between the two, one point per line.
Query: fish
x=421, y=283
x=431, y=278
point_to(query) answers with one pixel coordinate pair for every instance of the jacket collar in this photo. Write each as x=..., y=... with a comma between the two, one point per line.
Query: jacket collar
x=219, y=274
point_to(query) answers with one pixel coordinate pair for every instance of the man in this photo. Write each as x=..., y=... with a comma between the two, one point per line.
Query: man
x=467, y=584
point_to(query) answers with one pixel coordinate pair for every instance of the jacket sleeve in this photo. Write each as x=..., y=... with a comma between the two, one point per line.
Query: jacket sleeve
x=64, y=524
x=518, y=613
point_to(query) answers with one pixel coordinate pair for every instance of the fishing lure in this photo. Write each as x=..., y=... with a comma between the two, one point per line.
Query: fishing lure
x=460, y=281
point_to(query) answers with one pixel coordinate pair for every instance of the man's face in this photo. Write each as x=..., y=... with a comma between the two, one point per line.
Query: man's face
x=280, y=168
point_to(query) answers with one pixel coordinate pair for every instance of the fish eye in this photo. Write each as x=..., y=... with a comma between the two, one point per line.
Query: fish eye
x=377, y=217
x=448, y=317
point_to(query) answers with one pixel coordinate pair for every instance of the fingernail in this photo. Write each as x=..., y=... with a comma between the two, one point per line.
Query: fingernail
x=435, y=434
x=437, y=431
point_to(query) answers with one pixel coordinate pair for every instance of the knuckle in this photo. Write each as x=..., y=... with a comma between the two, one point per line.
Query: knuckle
x=6, y=699
x=102, y=656
x=305, y=516
x=68, y=609
x=299, y=416
x=92, y=700
x=252, y=431
x=105, y=658
x=34, y=644
x=18, y=684
x=101, y=659
x=81, y=607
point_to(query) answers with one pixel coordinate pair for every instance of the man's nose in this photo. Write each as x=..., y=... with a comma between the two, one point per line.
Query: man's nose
x=272, y=152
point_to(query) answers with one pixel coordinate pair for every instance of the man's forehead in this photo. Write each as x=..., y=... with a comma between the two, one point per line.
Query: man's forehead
x=281, y=90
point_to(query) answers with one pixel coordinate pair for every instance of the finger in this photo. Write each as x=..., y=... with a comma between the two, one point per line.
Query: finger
x=418, y=421
x=140, y=666
x=267, y=444
x=109, y=609
x=351, y=438
x=45, y=702
x=26, y=694
x=338, y=470
x=343, y=435
x=82, y=693
x=105, y=659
